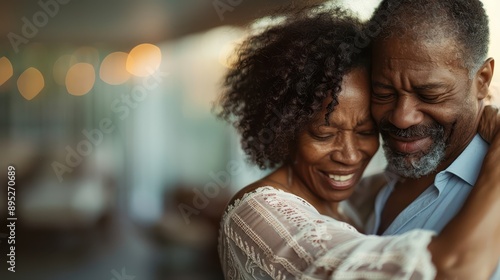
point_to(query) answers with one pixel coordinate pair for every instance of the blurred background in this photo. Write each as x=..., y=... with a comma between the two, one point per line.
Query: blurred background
x=121, y=169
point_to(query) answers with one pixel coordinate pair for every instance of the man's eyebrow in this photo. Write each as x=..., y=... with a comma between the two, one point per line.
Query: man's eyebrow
x=429, y=86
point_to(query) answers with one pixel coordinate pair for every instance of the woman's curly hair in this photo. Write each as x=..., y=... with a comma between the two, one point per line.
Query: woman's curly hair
x=283, y=76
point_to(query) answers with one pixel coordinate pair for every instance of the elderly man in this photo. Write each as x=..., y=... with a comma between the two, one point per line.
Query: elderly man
x=430, y=78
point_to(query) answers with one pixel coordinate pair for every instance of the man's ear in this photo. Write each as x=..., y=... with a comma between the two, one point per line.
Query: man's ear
x=483, y=78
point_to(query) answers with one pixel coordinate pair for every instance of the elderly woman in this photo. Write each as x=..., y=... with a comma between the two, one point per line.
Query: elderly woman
x=299, y=96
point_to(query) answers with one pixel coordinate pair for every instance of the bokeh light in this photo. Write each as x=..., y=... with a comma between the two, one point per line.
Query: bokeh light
x=61, y=67
x=113, y=68
x=80, y=79
x=30, y=83
x=143, y=60
x=6, y=70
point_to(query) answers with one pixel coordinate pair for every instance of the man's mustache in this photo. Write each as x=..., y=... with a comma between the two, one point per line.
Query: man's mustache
x=415, y=131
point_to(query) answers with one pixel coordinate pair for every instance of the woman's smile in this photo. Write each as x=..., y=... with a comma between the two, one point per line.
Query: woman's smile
x=339, y=181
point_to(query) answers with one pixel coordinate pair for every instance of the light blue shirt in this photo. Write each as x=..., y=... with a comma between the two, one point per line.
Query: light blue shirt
x=441, y=201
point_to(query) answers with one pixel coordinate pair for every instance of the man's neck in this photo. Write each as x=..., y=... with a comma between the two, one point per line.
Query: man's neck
x=406, y=190
x=410, y=185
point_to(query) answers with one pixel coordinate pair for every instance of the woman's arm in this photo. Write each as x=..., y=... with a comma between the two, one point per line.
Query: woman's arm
x=469, y=246
x=275, y=233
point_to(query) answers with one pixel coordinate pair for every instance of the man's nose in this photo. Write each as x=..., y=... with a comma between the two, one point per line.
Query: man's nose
x=406, y=112
x=346, y=151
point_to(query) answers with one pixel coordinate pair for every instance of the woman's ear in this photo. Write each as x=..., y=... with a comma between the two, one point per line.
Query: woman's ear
x=483, y=78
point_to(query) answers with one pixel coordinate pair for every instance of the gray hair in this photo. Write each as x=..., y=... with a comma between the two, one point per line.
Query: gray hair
x=464, y=21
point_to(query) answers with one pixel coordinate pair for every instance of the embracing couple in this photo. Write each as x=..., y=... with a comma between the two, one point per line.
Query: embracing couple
x=421, y=85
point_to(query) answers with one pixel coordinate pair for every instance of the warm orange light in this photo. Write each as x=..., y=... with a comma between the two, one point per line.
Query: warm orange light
x=113, y=68
x=143, y=60
x=30, y=83
x=80, y=79
x=6, y=70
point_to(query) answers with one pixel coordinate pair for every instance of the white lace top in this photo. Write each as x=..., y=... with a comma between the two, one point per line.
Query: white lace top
x=272, y=234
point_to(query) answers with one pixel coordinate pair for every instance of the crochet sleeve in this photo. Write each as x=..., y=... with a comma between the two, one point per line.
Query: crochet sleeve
x=271, y=234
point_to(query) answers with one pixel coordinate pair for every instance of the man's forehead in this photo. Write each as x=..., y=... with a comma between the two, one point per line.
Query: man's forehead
x=394, y=63
x=417, y=59
x=411, y=45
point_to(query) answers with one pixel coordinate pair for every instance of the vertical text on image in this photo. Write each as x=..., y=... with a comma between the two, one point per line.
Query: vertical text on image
x=11, y=217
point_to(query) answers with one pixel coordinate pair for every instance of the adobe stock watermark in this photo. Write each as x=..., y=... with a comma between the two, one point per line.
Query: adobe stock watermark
x=221, y=7
x=121, y=276
x=121, y=107
x=373, y=28
x=220, y=180
x=31, y=26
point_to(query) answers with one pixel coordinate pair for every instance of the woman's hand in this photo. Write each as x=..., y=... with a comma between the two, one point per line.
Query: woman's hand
x=489, y=125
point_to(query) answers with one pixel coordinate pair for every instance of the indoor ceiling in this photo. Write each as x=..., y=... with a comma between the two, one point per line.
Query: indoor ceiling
x=123, y=22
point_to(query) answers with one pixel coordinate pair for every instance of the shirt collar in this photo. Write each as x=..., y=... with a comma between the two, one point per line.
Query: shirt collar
x=466, y=166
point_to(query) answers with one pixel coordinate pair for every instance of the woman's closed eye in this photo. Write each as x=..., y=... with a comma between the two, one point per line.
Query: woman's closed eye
x=322, y=133
x=322, y=136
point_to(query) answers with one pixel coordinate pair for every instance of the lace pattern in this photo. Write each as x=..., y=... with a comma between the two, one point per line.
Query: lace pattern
x=272, y=234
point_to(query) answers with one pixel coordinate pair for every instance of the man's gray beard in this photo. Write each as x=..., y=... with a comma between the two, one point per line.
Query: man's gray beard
x=409, y=166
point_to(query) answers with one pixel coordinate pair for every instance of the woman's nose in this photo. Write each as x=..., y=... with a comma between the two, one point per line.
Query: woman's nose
x=346, y=149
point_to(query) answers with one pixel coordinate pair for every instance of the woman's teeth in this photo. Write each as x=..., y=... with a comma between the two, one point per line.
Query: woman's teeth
x=341, y=178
